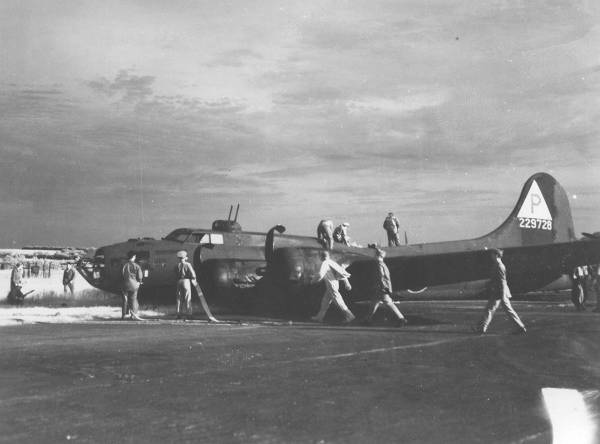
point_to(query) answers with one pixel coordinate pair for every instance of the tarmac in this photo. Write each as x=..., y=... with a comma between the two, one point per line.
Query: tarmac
x=259, y=380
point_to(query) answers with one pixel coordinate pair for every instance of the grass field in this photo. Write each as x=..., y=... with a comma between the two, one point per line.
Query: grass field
x=49, y=304
x=49, y=291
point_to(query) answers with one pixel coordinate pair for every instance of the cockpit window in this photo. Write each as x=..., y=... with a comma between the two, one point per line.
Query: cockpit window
x=181, y=237
x=178, y=235
x=199, y=238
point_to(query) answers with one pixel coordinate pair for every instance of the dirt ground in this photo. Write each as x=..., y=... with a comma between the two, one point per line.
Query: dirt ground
x=97, y=379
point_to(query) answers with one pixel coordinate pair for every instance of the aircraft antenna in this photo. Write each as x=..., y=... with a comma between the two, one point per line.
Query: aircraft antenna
x=236, y=212
x=230, y=210
x=405, y=238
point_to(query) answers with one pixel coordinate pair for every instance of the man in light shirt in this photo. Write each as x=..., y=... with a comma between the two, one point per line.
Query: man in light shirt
x=325, y=233
x=186, y=278
x=499, y=294
x=331, y=272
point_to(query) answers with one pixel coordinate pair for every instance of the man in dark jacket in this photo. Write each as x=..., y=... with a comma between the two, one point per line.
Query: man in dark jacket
x=68, y=279
x=391, y=226
x=383, y=291
x=132, y=276
x=16, y=296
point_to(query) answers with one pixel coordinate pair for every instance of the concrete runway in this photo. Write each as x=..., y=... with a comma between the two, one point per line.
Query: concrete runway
x=270, y=381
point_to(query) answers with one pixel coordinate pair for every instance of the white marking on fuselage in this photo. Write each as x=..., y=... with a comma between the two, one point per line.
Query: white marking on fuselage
x=571, y=421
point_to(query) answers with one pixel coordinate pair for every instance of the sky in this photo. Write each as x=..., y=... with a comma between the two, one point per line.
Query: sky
x=131, y=118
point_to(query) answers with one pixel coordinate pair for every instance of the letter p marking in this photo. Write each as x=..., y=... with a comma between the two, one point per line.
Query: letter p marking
x=535, y=201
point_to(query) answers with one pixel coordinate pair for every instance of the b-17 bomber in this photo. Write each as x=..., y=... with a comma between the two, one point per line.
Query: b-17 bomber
x=253, y=270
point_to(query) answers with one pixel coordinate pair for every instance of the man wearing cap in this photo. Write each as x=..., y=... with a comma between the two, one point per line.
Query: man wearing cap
x=340, y=234
x=383, y=291
x=132, y=276
x=68, y=279
x=391, y=226
x=499, y=294
x=331, y=272
x=325, y=233
x=186, y=278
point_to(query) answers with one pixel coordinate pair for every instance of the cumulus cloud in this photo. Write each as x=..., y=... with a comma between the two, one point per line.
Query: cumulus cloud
x=129, y=88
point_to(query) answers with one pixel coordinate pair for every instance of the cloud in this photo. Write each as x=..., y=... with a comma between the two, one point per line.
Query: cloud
x=235, y=58
x=293, y=110
x=311, y=94
x=404, y=104
x=129, y=88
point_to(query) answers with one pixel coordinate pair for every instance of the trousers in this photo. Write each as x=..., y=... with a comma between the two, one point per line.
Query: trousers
x=332, y=294
x=387, y=302
x=130, y=302
x=493, y=304
x=184, y=296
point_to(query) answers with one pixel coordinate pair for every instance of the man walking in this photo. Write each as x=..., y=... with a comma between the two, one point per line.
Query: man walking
x=383, y=291
x=499, y=294
x=392, y=226
x=132, y=276
x=331, y=272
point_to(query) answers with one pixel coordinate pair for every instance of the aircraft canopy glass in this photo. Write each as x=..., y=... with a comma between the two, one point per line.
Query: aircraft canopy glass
x=197, y=237
x=179, y=235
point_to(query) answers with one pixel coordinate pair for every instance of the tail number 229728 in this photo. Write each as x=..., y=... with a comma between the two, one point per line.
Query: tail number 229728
x=539, y=224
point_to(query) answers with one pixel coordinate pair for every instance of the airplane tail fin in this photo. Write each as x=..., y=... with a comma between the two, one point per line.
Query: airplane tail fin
x=542, y=215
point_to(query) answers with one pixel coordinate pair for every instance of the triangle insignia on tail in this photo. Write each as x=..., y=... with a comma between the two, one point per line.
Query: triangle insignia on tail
x=534, y=212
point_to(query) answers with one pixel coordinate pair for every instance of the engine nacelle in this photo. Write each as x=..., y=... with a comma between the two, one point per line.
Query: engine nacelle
x=297, y=266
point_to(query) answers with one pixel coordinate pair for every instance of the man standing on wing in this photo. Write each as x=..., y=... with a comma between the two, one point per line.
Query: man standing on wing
x=325, y=233
x=392, y=226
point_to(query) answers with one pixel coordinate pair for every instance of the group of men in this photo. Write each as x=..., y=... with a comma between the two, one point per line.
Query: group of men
x=327, y=234
x=17, y=296
x=132, y=277
x=584, y=279
x=332, y=273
